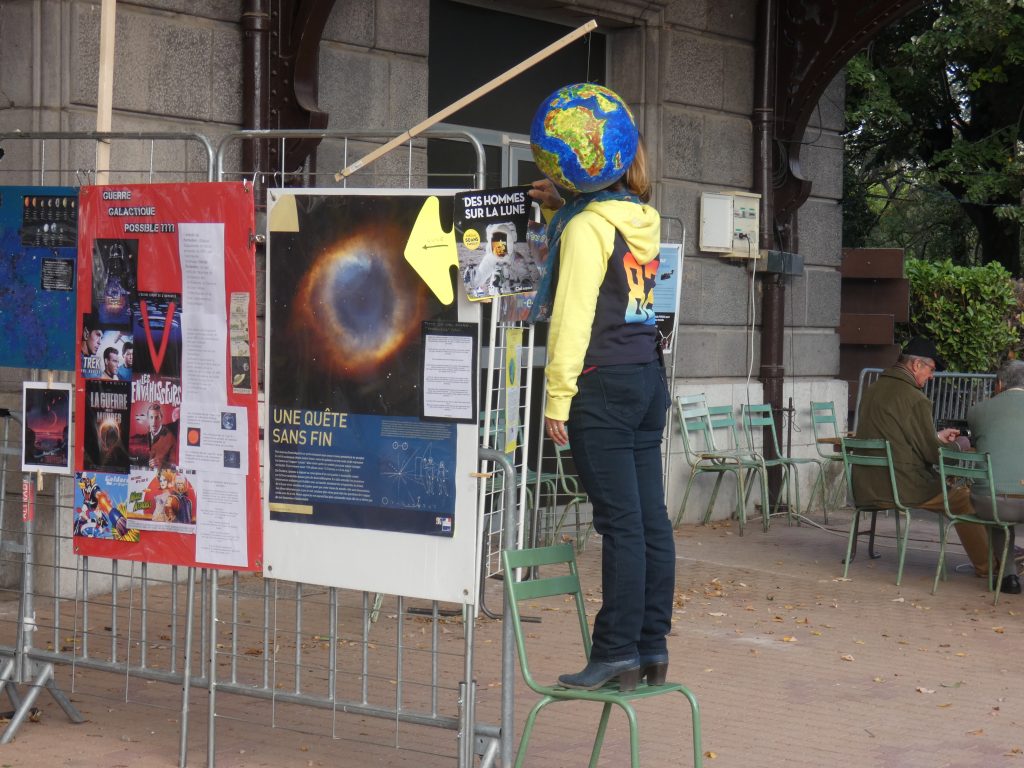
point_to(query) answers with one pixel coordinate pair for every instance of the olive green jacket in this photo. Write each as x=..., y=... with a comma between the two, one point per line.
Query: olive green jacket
x=893, y=408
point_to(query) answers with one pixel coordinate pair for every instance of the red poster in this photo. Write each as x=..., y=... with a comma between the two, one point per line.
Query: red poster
x=167, y=433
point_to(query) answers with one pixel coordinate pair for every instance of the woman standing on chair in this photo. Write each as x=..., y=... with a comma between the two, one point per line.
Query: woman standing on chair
x=606, y=391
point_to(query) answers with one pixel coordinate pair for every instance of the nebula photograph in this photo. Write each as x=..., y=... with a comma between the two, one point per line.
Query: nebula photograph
x=346, y=309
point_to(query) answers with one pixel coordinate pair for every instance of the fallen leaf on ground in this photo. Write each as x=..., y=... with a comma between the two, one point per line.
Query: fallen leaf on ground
x=924, y=690
x=710, y=755
x=999, y=630
x=789, y=639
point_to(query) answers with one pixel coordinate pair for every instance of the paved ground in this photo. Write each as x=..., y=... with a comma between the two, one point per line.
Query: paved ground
x=793, y=667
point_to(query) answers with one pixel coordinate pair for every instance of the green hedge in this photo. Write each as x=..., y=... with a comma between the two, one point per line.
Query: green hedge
x=971, y=313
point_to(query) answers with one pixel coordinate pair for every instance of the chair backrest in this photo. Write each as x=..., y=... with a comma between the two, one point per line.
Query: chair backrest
x=864, y=452
x=824, y=425
x=967, y=465
x=695, y=425
x=566, y=480
x=567, y=582
x=758, y=416
x=723, y=424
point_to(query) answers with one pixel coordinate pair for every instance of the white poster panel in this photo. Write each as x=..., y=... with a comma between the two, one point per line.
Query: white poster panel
x=363, y=490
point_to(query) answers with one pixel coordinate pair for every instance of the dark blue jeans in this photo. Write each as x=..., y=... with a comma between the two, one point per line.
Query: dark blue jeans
x=615, y=426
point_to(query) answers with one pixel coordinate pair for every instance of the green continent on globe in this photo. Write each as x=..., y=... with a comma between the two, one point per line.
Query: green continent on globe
x=550, y=165
x=587, y=91
x=583, y=132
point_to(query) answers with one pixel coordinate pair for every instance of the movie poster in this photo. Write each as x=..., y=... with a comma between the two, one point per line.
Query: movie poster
x=38, y=249
x=100, y=504
x=47, y=412
x=156, y=324
x=346, y=444
x=166, y=316
x=156, y=412
x=113, y=281
x=105, y=353
x=107, y=405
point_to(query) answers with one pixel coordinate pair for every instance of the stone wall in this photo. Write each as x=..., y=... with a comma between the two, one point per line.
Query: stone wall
x=688, y=70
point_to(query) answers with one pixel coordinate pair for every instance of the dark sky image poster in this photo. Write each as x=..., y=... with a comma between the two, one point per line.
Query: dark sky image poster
x=345, y=348
x=38, y=263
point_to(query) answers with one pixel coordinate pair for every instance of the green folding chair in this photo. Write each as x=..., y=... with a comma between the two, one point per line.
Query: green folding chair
x=964, y=466
x=566, y=582
x=756, y=418
x=567, y=485
x=872, y=453
x=825, y=427
x=698, y=426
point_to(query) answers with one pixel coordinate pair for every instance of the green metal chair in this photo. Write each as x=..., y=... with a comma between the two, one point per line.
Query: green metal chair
x=698, y=426
x=872, y=453
x=825, y=427
x=566, y=582
x=567, y=485
x=969, y=466
x=755, y=419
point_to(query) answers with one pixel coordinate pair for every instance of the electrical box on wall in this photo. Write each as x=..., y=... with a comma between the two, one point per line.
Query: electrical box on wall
x=729, y=223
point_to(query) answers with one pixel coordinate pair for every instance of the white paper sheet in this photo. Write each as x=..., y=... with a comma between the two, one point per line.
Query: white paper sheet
x=214, y=439
x=448, y=377
x=204, y=314
x=221, y=531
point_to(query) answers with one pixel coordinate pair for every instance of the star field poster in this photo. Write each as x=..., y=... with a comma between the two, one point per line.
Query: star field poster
x=346, y=444
x=38, y=250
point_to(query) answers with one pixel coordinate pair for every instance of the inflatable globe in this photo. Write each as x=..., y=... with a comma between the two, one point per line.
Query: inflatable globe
x=583, y=137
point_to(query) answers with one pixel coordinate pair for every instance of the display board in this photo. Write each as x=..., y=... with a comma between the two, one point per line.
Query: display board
x=365, y=490
x=668, y=286
x=166, y=457
x=38, y=242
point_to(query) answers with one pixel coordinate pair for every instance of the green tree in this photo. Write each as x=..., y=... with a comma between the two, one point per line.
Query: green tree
x=934, y=114
x=972, y=313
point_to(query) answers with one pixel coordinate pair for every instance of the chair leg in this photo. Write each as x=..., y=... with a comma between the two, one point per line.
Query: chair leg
x=940, y=568
x=602, y=726
x=698, y=752
x=851, y=541
x=528, y=729
x=682, y=505
x=1002, y=561
x=714, y=495
x=902, y=545
x=741, y=500
x=766, y=500
x=634, y=735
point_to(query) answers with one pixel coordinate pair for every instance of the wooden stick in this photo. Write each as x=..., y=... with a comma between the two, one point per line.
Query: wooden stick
x=467, y=99
x=105, y=88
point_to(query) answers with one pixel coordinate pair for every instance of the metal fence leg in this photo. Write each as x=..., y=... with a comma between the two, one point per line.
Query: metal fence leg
x=186, y=683
x=22, y=665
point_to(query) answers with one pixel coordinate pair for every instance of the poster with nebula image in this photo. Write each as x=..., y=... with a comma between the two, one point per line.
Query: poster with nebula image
x=363, y=492
x=347, y=446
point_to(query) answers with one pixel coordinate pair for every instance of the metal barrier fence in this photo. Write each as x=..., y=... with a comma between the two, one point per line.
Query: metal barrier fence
x=300, y=647
x=952, y=393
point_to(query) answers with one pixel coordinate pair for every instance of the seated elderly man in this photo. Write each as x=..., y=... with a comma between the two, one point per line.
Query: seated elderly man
x=997, y=425
x=895, y=409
